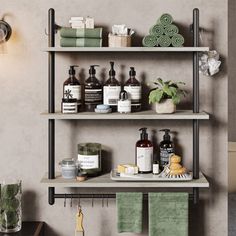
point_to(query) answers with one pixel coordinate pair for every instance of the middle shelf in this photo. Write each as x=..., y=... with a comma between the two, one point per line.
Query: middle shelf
x=143, y=115
x=104, y=181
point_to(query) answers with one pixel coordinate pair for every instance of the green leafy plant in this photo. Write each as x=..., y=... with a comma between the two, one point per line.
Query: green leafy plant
x=166, y=90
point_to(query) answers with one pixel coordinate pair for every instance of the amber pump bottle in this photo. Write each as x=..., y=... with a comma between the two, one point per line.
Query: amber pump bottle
x=111, y=89
x=72, y=87
x=93, y=90
x=134, y=90
x=144, y=153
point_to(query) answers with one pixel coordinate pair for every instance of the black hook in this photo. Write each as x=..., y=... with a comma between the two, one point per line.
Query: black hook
x=65, y=201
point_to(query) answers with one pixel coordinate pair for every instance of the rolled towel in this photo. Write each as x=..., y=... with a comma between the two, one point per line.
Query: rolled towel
x=150, y=41
x=165, y=19
x=80, y=42
x=157, y=30
x=171, y=30
x=164, y=41
x=177, y=40
x=67, y=32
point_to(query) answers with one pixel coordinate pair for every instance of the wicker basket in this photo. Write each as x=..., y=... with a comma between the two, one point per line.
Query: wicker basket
x=117, y=41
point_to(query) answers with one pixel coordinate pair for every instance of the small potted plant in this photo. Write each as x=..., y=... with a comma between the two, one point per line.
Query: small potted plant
x=166, y=95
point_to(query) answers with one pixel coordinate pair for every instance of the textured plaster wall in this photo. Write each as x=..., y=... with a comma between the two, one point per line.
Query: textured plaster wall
x=232, y=71
x=23, y=133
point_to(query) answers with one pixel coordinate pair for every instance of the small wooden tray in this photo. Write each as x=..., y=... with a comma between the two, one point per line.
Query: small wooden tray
x=147, y=178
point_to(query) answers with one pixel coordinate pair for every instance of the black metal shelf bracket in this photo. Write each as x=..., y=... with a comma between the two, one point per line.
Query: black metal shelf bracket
x=196, y=102
x=52, y=29
x=51, y=103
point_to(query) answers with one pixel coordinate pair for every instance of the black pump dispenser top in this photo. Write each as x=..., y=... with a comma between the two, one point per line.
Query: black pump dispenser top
x=144, y=134
x=72, y=70
x=123, y=95
x=92, y=70
x=112, y=71
x=132, y=72
x=166, y=136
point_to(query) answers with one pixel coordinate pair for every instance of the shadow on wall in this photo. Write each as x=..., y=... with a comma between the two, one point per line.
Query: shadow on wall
x=30, y=197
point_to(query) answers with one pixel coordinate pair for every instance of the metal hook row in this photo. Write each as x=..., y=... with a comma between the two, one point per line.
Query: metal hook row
x=71, y=196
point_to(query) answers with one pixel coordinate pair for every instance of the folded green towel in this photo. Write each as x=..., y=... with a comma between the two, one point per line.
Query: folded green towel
x=67, y=32
x=177, y=40
x=150, y=41
x=171, y=30
x=129, y=212
x=80, y=42
x=157, y=30
x=164, y=41
x=165, y=19
x=168, y=214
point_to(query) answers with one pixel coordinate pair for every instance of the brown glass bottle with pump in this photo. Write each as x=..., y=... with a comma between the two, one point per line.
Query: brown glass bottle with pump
x=111, y=89
x=93, y=90
x=72, y=87
x=144, y=153
x=134, y=90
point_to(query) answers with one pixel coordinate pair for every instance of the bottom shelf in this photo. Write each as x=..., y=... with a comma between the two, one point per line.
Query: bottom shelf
x=104, y=181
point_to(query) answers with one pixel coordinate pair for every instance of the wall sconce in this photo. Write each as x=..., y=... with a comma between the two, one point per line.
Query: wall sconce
x=5, y=31
x=5, y=34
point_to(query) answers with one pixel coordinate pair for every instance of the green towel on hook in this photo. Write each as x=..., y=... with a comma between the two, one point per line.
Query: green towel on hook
x=177, y=40
x=171, y=30
x=168, y=214
x=150, y=41
x=80, y=42
x=157, y=30
x=129, y=212
x=164, y=41
x=67, y=32
x=165, y=19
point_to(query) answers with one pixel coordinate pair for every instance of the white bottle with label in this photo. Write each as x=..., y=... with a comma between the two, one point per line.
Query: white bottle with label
x=124, y=104
x=144, y=153
x=72, y=88
x=111, y=89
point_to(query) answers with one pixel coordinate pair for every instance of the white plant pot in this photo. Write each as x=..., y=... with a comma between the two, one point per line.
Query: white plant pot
x=165, y=107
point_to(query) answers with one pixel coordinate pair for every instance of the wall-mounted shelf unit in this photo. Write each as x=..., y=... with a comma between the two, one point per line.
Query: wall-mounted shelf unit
x=143, y=115
x=104, y=181
x=52, y=179
x=127, y=49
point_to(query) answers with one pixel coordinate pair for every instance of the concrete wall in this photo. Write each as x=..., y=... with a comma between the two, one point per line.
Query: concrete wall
x=23, y=133
x=232, y=71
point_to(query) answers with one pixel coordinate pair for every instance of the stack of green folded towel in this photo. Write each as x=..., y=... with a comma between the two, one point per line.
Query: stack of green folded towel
x=164, y=34
x=81, y=37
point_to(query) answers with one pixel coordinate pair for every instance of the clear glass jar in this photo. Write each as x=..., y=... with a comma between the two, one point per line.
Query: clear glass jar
x=89, y=158
x=10, y=206
x=68, y=168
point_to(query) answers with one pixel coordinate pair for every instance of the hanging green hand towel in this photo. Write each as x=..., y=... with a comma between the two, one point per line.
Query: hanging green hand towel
x=168, y=214
x=129, y=212
x=177, y=40
x=171, y=30
x=157, y=30
x=165, y=19
x=67, y=32
x=150, y=41
x=164, y=41
x=80, y=42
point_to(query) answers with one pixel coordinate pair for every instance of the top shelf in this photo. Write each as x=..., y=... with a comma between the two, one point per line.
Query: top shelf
x=126, y=49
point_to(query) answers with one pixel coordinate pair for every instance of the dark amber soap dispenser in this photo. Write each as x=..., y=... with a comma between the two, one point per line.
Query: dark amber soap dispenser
x=144, y=153
x=134, y=90
x=93, y=90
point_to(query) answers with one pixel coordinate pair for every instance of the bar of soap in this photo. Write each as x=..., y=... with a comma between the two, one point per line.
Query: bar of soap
x=127, y=169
